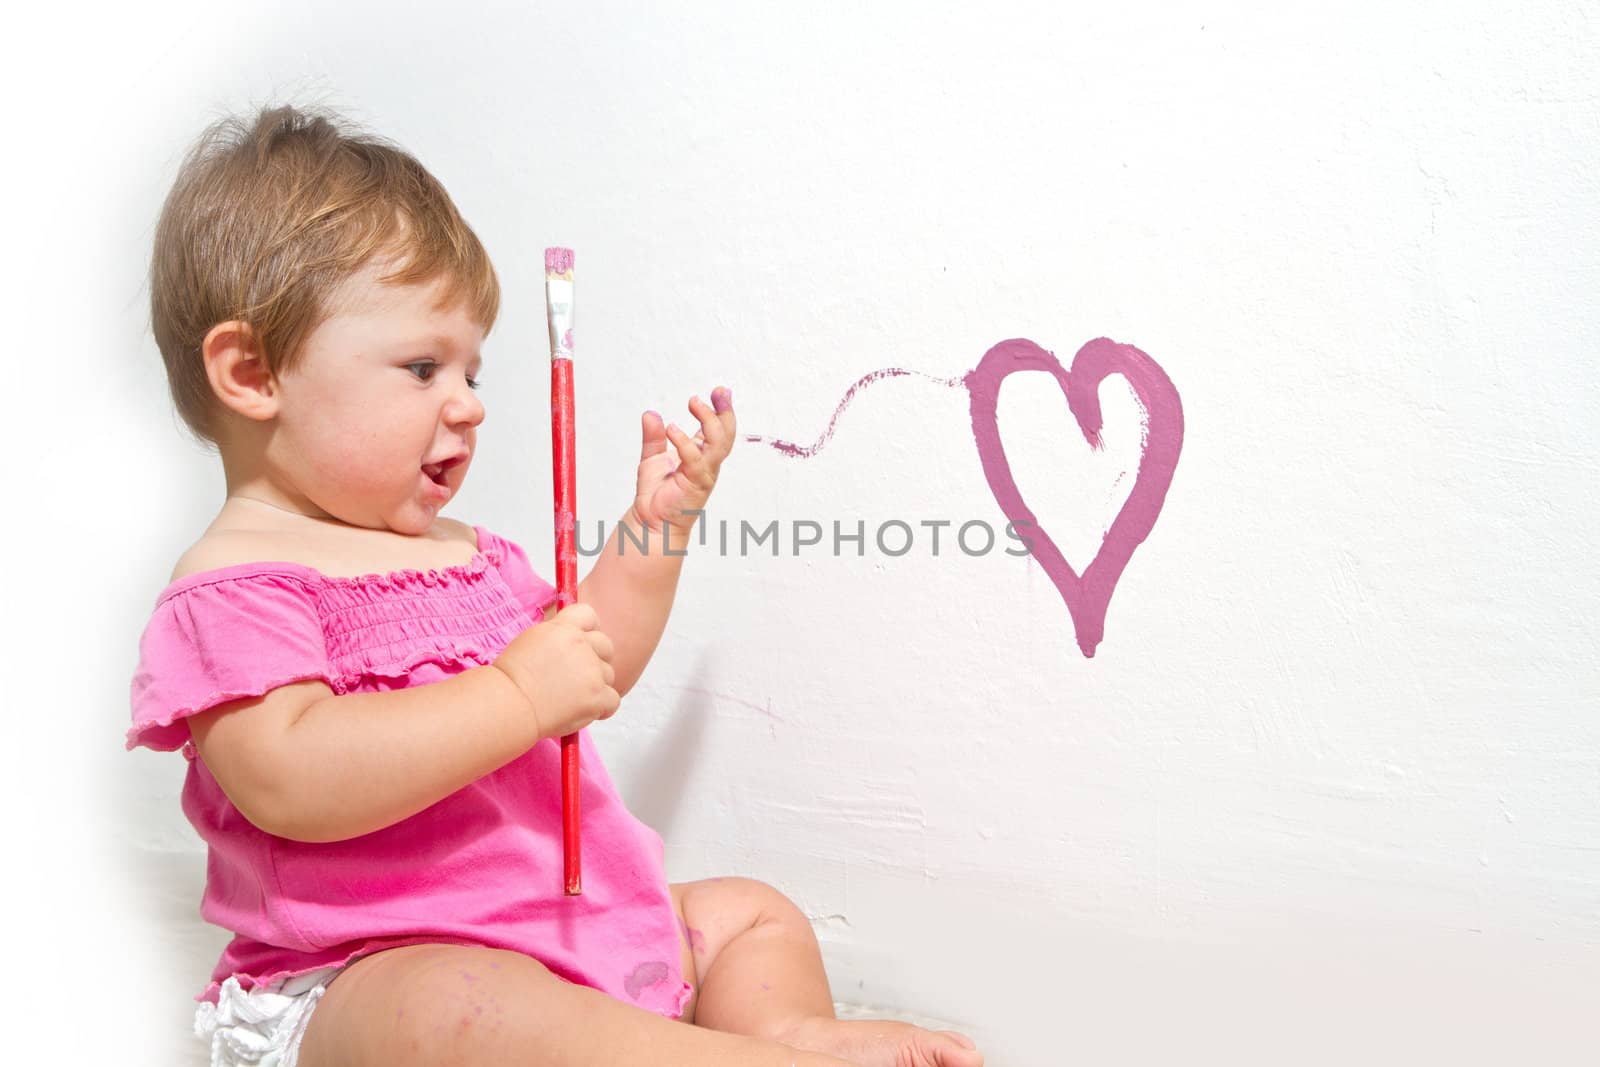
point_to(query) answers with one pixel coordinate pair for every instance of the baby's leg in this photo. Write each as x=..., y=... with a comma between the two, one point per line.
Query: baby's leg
x=759, y=972
x=456, y=1006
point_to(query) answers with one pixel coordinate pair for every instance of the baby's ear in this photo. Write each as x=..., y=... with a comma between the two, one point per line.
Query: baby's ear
x=238, y=372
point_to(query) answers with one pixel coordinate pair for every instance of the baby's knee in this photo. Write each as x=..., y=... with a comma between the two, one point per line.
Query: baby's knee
x=738, y=903
x=725, y=893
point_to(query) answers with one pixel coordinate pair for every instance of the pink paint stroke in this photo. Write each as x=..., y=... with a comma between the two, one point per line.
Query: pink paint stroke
x=789, y=448
x=1087, y=596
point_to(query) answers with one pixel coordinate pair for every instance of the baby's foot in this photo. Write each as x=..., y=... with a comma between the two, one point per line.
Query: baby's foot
x=881, y=1043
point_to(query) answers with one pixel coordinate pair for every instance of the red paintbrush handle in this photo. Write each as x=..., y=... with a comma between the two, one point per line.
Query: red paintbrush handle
x=565, y=471
x=564, y=465
x=571, y=845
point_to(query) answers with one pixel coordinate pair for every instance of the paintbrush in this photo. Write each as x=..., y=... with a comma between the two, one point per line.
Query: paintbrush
x=563, y=461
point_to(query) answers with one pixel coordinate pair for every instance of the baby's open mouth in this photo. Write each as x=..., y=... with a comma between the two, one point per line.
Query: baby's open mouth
x=436, y=470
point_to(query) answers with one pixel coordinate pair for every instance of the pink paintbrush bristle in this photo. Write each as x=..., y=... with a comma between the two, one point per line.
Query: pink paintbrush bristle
x=558, y=261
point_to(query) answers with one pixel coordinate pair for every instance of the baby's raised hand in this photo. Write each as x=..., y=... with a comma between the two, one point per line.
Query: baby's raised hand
x=563, y=668
x=675, y=483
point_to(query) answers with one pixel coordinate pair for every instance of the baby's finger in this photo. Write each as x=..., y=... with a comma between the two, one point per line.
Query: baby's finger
x=654, y=435
x=698, y=439
x=601, y=644
x=581, y=616
x=689, y=454
x=722, y=403
x=711, y=429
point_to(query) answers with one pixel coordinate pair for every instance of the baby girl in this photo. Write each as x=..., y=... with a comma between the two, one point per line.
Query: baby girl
x=369, y=695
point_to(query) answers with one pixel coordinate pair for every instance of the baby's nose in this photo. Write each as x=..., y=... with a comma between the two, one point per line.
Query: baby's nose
x=464, y=407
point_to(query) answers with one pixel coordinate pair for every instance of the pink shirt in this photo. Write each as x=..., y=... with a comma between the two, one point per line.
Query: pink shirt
x=480, y=867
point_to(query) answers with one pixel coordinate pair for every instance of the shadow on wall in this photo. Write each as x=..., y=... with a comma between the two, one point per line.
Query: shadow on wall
x=658, y=782
x=168, y=885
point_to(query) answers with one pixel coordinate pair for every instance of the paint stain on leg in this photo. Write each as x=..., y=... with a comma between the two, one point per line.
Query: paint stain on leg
x=644, y=976
x=697, y=940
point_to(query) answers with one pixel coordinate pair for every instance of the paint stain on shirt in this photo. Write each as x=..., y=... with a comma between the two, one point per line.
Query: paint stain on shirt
x=643, y=977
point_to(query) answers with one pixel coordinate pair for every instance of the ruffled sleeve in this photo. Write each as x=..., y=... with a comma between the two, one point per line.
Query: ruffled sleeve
x=533, y=592
x=216, y=641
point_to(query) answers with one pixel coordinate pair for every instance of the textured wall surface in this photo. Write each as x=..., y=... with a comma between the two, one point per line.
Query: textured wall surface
x=1329, y=787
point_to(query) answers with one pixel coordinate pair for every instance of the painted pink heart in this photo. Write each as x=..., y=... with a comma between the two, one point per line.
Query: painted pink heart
x=1089, y=595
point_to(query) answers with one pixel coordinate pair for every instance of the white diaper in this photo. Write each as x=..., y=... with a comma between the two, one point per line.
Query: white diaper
x=261, y=1028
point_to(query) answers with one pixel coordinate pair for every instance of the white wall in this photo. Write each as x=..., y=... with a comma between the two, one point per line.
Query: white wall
x=1330, y=787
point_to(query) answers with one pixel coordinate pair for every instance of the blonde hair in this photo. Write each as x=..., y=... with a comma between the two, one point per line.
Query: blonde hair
x=267, y=218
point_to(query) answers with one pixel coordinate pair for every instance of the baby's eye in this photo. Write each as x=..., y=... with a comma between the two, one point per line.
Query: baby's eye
x=424, y=369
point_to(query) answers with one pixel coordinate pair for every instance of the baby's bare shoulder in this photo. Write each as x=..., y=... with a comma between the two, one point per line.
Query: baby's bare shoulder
x=455, y=530
x=217, y=549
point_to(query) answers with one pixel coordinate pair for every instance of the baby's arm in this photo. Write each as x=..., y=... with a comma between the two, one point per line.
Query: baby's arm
x=303, y=763
x=632, y=589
